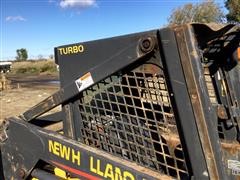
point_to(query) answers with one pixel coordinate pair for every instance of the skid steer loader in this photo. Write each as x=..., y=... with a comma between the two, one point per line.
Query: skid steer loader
x=161, y=104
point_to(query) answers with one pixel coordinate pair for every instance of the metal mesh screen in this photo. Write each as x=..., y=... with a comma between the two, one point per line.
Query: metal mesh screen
x=216, y=70
x=220, y=98
x=209, y=78
x=130, y=115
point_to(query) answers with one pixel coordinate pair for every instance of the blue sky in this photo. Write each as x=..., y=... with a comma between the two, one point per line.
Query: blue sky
x=41, y=25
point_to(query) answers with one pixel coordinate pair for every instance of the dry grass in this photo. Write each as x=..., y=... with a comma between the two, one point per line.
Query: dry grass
x=34, y=67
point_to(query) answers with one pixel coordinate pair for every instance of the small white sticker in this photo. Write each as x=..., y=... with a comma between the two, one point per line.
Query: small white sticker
x=84, y=82
x=234, y=165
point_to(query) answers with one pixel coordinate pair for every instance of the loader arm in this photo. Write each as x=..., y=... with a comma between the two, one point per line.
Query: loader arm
x=161, y=104
x=57, y=150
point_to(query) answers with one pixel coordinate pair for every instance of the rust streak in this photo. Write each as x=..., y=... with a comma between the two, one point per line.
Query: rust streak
x=232, y=148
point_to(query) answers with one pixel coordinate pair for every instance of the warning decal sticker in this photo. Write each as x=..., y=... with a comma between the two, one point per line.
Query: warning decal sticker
x=234, y=165
x=84, y=82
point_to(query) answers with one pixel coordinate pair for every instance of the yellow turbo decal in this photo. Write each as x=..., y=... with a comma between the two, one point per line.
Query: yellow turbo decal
x=71, y=50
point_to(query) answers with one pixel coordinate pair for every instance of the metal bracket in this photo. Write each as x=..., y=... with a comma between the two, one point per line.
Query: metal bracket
x=235, y=111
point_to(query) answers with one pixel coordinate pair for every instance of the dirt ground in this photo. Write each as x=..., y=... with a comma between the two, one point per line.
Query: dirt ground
x=24, y=92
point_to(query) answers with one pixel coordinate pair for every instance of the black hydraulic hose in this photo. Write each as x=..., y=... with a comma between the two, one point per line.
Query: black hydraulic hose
x=43, y=175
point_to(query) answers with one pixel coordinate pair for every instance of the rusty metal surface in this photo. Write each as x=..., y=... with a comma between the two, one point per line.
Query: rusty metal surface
x=196, y=101
x=220, y=78
x=233, y=148
x=129, y=115
x=20, y=156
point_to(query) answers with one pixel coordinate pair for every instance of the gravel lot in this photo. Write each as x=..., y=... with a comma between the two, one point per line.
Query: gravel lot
x=25, y=92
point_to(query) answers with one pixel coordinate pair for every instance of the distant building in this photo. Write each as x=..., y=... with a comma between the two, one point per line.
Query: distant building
x=5, y=67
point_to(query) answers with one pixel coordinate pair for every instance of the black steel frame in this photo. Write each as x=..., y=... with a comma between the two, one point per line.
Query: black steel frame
x=25, y=146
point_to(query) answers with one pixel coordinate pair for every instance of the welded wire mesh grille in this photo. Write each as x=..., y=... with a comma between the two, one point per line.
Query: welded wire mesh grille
x=219, y=97
x=213, y=92
x=213, y=98
x=210, y=87
x=130, y=115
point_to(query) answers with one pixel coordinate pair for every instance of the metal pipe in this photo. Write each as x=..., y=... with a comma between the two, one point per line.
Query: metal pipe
x=43, y=175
